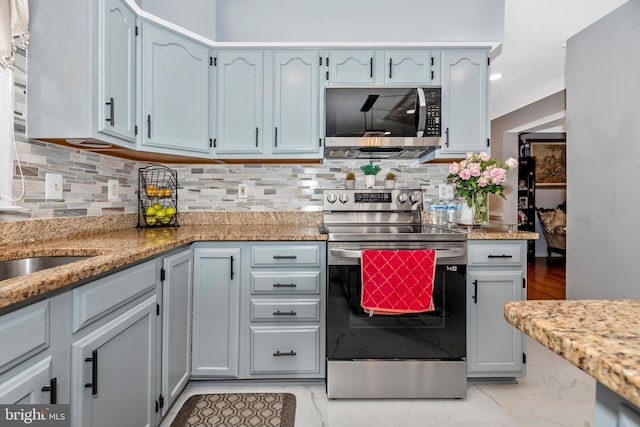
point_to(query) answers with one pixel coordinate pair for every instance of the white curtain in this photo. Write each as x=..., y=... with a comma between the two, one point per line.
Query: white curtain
x=14, y=32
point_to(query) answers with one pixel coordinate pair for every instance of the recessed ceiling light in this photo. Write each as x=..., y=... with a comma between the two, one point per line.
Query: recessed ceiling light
x=495, y=76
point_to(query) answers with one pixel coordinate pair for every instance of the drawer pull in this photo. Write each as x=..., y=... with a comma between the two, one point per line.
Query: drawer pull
x=284, y=313
x=53, y=389
x=290, y=353
x=284, y=257
x=284, y=285
x=499, y=256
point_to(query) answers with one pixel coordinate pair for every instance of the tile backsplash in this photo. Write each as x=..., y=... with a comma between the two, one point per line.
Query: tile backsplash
x=270, y=187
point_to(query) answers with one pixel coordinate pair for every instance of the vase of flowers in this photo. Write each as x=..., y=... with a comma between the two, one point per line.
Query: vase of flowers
x=370, y=170
x=350, y=181
x=390, y=181
x=477, y=176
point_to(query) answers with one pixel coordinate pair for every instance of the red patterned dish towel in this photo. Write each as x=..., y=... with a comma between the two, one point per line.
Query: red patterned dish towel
x=397, y=281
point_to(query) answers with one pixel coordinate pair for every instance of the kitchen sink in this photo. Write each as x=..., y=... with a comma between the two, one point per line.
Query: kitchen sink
x=20, y=267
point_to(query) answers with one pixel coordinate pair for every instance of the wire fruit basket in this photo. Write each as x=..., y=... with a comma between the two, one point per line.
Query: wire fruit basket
x=157, y=197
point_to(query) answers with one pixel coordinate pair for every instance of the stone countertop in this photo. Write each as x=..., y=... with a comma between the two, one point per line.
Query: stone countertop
x=601, y=337
x=114, y=249
x=499, y=234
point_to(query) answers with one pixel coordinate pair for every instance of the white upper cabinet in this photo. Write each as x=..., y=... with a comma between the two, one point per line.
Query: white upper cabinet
x=267, y=104
x=465, y=122
x=407, y=67
x=239, y=102
x=175, y=92
x=350, y=67
x=117, y=70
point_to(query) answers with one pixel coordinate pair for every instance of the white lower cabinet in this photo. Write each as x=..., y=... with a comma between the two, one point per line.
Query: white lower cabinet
x=496, y=274
x=113, y=370
x=30, y=385
x=216, y=310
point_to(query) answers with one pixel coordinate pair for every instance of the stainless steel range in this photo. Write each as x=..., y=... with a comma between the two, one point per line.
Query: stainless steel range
x=418, y=355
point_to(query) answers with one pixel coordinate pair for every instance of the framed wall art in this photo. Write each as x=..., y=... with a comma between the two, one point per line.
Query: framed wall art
x=551, y=163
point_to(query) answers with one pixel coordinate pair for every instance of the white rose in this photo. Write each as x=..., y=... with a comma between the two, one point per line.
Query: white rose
x=511, y=163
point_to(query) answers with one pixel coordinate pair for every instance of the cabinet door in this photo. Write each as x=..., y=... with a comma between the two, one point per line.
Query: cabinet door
x=113, y=371
x=216, y=312
x=175, y=85
x=351, y=66
x=116, y=70
x=239, y=100
x=26, y=387
x=176, y=325
x=464, y=101
x=295, y=102
x=410, y=67
x=493, y=345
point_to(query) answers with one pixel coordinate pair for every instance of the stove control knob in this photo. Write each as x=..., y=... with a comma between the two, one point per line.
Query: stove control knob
x=415, y=197
x=331, y=198
x=402, y=197
x=344, y=198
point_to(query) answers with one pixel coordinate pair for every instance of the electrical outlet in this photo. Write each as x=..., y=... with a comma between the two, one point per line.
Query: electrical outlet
x=52, y=186
x=113, y=190
x=242, y=191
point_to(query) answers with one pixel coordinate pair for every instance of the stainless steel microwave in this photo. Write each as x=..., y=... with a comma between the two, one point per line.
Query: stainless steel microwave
x=382, y=122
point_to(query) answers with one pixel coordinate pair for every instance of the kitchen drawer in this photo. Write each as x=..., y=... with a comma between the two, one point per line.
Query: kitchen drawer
x=496, y=254
x=285, y=255
x=285, y=310
x=282, y=350
x=23, y=333
x=94, y=300
x=295, y=282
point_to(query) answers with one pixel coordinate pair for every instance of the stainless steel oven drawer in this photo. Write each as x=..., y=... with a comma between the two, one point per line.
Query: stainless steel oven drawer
x=285, y=310
x=285, y=255
x=280, y=350
x=266, y=282
x=496, y=253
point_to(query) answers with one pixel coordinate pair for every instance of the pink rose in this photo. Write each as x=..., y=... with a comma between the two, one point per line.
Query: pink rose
x=482, y=182
x=454, y=168
x=484, y=156
x=465, y=174
x=474, y=169
x=498, y=175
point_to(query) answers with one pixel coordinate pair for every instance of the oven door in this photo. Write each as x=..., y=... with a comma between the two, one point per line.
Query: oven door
x=352, y=334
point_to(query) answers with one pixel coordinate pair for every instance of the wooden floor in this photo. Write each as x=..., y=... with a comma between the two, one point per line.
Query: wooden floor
x=546, y=281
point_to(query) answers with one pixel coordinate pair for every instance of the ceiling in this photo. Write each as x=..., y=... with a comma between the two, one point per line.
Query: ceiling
x=532, y=56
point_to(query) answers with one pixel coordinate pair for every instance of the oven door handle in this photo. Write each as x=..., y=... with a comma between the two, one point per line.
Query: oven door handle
x=357, y=254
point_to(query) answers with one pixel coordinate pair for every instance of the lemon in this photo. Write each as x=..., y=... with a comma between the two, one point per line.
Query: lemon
x=161, y=213
x=151, y=211
x=165, y=220
x=171, y=211
x=157, y=206
x=151, y=220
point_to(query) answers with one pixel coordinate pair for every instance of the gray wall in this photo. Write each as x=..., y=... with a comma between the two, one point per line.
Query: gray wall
x=360, y=20
x=603, y=154
x=198, y=16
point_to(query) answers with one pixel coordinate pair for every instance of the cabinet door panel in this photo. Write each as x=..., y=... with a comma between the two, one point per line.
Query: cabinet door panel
x=117, y=72
x=408, y=67
x=26, y=387
x=351, y=66
x=239, y=100
x=216, y=318
x=175, y=92
x=125, y=375
x=464, y=101
x=295, y=102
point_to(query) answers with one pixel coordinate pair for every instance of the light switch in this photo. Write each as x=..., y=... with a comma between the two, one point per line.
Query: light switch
x=53, y=186
x=242, y=191
x=113, y=190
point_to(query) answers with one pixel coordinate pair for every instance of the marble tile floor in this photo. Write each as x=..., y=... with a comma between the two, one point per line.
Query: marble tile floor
x=553, y=394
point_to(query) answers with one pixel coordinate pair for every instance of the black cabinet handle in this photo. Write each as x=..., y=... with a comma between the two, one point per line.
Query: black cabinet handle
x=148, y=125
x=256, y=137
x=112, y=106
x=52, y=388
x=93, y=385
x=446, y=132
x=390, y=72
x=289, y=353
x=285, y=257
x=284, y=285
x=276, y=138
x=371, y=67
x=232, y=268
x=475, y=292
x=284, y=313
x=500, y=256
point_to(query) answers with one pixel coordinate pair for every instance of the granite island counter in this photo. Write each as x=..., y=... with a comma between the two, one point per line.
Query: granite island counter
x=601, y=337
